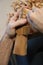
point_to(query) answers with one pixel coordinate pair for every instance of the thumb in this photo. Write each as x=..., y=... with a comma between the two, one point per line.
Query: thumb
x=30, y=15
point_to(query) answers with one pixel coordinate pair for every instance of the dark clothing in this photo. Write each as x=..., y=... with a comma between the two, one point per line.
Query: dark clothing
x=34, y=52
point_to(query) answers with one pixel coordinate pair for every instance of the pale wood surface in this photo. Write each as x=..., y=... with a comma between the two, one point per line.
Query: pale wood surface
x=20, y=47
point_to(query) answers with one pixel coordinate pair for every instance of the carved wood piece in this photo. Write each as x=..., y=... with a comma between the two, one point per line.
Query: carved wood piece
x=20, y=47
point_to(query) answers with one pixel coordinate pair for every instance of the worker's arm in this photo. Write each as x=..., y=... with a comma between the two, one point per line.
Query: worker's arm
x=6, y=45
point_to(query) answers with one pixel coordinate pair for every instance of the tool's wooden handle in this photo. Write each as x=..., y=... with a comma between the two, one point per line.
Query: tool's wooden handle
x=20, y=47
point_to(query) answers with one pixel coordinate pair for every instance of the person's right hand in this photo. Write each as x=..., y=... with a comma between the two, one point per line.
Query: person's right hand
x=35, y=18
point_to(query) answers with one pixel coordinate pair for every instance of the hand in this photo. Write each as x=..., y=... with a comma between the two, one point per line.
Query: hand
x=15, y=21
x=35, y=18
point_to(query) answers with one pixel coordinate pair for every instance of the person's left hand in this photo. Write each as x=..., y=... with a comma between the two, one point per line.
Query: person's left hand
x=14, y=22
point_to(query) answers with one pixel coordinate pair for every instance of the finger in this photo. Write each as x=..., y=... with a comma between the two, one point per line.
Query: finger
x=30, y=15
x=16, y=14
x=22, y=21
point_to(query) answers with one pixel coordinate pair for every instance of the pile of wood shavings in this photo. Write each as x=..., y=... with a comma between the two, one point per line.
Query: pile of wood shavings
x=30, y=3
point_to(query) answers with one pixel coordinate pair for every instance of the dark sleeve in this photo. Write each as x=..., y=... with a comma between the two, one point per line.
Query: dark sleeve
x=35, y=45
